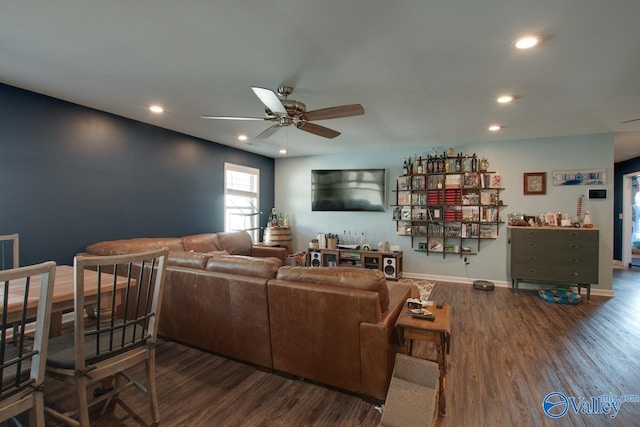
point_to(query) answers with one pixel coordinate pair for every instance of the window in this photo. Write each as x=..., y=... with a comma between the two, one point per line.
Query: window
x=241, y=199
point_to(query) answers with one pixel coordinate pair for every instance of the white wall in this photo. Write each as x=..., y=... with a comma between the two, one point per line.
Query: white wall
x=510, y=158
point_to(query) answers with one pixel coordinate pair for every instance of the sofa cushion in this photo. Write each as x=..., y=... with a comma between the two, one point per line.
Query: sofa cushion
x=244, y=265
x=346, y=277
x=140, y=244
x=235, y=242
x=205, y=242
x=188, y=259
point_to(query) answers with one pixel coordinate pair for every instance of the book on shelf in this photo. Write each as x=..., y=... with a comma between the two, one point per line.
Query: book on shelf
x=470, y=179
x=452, y=181
x=470, y=213
x=405, y=213
x=435, y=244
x=404, y=183
x=488, y=231
x=418, y=182
x=496, y=180
x=404, y=197
x=419, y=213
x=404, y=228
x=470, y=199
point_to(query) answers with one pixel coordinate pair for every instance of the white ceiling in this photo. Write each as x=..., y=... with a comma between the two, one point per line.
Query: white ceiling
x=426, y=72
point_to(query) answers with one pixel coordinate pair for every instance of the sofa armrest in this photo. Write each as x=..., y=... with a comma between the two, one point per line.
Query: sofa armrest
x=269, y=251
x=378, y=345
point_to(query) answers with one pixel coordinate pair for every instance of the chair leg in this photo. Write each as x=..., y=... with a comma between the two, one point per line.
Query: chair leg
x=36, y=414
x=83, y=402
x=150, y=365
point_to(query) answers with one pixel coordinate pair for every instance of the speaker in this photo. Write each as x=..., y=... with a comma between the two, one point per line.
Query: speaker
x=316, y=258
x=389, y=267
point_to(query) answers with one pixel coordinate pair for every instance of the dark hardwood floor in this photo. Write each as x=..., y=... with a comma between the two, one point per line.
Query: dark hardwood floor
x=507, y=353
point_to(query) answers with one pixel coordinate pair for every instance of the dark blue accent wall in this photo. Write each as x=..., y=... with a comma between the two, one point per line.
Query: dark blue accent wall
x=71, y=176
x=620, y=170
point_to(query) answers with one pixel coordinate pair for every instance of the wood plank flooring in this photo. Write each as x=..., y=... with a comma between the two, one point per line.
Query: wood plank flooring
x=507, y=353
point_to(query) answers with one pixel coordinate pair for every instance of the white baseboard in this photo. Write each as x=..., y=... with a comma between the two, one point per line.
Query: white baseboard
x=497, y=283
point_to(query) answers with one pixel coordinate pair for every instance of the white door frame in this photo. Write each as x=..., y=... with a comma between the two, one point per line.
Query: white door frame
x=627, y=185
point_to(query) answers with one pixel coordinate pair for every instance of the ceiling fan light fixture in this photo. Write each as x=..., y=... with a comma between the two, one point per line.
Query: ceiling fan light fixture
x=526, y=42
x=495, y=128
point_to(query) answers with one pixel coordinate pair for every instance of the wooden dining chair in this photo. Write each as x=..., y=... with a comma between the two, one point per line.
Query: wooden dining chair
x=9, y=257
x=98, y=354
x=26, y=295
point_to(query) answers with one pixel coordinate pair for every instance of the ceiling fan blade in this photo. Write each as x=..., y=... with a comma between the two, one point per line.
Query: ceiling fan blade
x=270, y=100
x=269, y=131
x=629, y=121
x=335, y=112
x=317, y=130
x=233, y=118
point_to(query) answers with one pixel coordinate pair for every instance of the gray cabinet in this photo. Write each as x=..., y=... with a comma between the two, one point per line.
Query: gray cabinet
x=554, y=254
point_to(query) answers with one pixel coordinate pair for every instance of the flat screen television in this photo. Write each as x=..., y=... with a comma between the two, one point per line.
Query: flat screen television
x=348, y=190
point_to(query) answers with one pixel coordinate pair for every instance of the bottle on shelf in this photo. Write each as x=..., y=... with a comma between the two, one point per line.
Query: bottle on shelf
x=420, y=168
x=405, y=168
x=474, y=163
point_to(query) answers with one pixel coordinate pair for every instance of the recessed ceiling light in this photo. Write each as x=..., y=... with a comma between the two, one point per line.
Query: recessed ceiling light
x=495, y=128
x=505, y=99
x=527, y=42
x=242, y=137
x=283, y=151
x=156, y=109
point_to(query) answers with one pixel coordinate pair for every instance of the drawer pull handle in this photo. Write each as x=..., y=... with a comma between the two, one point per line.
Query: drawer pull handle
x=575, y=274
x=575, y=260
x=532, y=257
x=532, y=244
x=574, y=246
x=531, y=271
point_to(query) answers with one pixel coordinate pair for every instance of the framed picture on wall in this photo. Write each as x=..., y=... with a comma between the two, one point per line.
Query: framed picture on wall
x=535, y=182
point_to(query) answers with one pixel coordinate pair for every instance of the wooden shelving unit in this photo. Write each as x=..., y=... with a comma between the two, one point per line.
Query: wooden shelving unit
x=448, y=212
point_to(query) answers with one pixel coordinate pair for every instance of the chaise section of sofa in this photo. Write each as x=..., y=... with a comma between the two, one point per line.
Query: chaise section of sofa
x=222, y=308
x=335, y=326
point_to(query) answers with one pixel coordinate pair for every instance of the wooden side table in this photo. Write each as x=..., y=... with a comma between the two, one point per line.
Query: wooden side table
x=435, y=331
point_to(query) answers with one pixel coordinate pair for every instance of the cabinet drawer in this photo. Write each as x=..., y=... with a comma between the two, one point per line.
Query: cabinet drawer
x=583, y=246
x=529, y=246
x=561, y=274
x=584, y=235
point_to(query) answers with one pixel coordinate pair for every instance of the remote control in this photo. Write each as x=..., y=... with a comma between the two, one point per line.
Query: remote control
x=440, y=303
x=421, y=316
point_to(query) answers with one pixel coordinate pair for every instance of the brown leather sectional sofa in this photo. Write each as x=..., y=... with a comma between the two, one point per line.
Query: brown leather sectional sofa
x=330, y=325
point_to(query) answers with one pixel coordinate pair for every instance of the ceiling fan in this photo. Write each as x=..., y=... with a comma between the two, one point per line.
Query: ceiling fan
x=284, y=112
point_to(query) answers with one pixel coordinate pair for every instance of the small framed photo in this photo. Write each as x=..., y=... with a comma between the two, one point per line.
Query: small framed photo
x=535, y=182
x=422, y=246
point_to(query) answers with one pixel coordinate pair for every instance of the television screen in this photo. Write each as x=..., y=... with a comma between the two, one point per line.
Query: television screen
x=348, y=190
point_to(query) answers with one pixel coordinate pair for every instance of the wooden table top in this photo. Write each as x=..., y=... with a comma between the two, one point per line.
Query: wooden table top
x=441, y=323
x=63, y=289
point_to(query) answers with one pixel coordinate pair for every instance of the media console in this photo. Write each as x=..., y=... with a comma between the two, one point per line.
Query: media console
x=390, y=263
